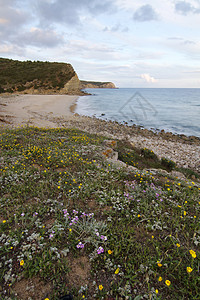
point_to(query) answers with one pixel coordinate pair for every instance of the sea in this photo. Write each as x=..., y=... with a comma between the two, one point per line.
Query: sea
x=175, y=110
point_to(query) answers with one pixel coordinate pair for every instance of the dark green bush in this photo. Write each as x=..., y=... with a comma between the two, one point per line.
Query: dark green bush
x=167, y=163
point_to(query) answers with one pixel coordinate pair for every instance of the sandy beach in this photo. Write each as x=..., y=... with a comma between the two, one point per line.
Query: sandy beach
x=35, y=110
x=53, y=111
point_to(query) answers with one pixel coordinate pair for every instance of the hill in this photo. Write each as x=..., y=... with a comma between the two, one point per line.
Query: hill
x=96, y=84
x=37, y=77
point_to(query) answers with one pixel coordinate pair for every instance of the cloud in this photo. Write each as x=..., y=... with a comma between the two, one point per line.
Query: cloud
x=145, y=13
x=184, y=8
x=148, y=78
x=40, y=38
x=116, y=28
x=69, y=12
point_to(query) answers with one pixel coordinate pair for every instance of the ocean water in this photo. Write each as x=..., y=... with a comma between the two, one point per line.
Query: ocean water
x=174, y=110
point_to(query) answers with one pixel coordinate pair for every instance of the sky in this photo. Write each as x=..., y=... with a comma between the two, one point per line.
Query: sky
x=132, y=43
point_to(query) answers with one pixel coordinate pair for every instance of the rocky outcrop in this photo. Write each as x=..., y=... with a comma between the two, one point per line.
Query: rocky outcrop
x=94, y=84
x=72, y=86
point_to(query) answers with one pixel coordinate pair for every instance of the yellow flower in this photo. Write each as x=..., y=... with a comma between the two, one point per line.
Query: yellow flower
x=4, y=221
x=100, y=287
x=160, y=278
x=70, y=229
x=138, y=216
x=117, y=271
x=22, y=262
x=110, y=252
x=152, y=236
x=46, y=299
x=156, y=291
x=189, y=270
x=167, y=282
x=178, y=245
x=185, y=213
x=159, y=264
x=193, y=253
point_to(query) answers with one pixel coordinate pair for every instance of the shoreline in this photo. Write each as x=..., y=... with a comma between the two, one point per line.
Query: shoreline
x=55, y=111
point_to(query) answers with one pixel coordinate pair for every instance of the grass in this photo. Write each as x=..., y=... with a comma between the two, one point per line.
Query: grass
x=72, y=223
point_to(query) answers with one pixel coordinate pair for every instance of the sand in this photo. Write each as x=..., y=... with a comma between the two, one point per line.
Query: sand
x=35, y=110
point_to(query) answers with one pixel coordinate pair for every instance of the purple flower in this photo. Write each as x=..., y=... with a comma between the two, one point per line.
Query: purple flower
x=100, y=250
x=80, y=245
x=75, y=211
x=103, y=237
x=51, y=235
x=22, y=214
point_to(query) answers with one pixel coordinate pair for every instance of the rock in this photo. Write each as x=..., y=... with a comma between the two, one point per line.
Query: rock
x=178, y=174
x=73, y=85
x=110, y=143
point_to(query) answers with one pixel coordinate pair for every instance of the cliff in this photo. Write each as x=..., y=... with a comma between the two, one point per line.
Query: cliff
x=94, y=84
x=37, y=77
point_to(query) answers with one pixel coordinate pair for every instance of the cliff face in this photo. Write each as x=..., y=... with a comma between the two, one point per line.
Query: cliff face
x=72, y=86
x=94, y=84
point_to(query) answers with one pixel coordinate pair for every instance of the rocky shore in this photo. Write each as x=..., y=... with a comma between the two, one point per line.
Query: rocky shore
x=184, y=151
x=57, y=111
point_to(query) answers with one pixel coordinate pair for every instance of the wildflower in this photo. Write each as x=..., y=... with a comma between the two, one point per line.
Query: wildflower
x=152, y=236
x=160, y=278
x=22, y=262
x=110, y=252
x=189, y=270
x=193, y=253
x=156, y=291
x=178, y=245
x=167, y=282
x=46, y=299
x=101, y=287
x=159, y=264
x=117, y=271
x=80, y=245
x=138, y=216
x=100, y=250
x=185, y=213
x=4, y=221
x=103, y=237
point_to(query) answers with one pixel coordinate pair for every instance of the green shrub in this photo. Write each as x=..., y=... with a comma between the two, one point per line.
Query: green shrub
x=167, y=163
x=148, y=154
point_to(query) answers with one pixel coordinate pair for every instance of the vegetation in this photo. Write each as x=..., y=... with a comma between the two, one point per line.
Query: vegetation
x=73, y=223
x=18, y=76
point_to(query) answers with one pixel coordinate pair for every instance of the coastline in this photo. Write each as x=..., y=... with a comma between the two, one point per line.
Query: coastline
x=54, y=111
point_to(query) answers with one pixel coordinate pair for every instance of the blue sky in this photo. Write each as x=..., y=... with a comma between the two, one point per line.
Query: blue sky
x=133, y=43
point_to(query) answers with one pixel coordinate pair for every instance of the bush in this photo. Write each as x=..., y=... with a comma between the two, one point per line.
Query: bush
x=167, y=163
x=148, y=154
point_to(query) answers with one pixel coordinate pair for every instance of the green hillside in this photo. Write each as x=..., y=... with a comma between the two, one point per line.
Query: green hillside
x=18, y=76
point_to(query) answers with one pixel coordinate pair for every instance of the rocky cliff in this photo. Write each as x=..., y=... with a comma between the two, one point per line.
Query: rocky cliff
x=94, y=84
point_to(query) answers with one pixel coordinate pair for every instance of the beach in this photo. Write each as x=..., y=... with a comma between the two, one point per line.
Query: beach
x=54, y=111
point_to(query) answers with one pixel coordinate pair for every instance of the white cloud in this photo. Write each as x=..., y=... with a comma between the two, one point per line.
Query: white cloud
x=148, y=78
